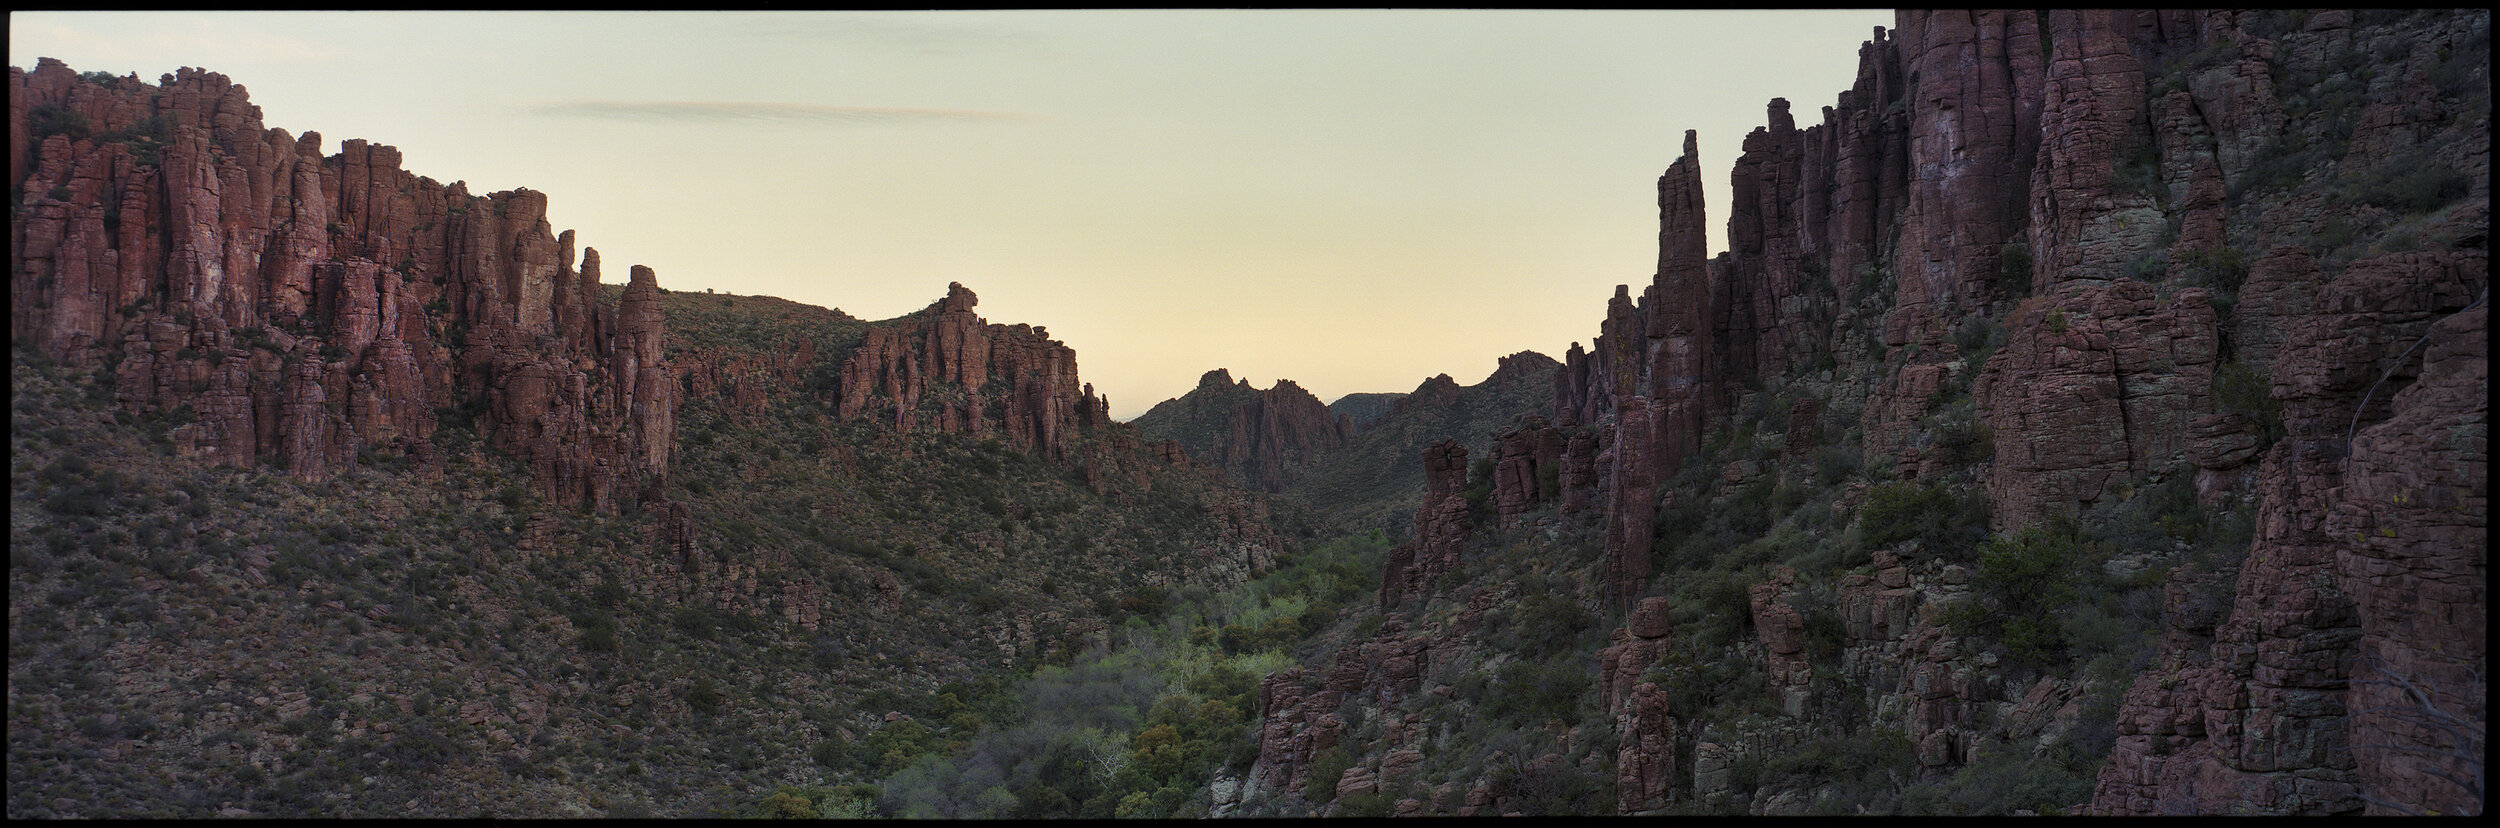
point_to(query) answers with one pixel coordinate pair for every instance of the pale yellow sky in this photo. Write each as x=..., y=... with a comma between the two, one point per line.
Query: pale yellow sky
x=1352, y=199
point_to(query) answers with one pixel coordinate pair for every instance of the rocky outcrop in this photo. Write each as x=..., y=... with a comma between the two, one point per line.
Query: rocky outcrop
x=1263, y=438
x=1301, y=711
x=1681, y=351
x=2415, y=501
x=1646, y=768
x=308, y=310
x=1441, y=526
x=1975, y=82
x=1810, y=216
x=2299, y=703
x=1527, y=468
x=1372, y=480
x=2053, y=258
x=2082, y=222
x=946, y=370
x=1780, y=630
x=1362, y=409
x=2097, y=387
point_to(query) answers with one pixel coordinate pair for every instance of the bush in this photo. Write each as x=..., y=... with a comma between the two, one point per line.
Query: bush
x=1320, y=784
x=2014, y=271
x=1533, y=692
x=2240, y=389
x=1999, y=785
x=2030, y=583
x=704, y=696
x=2413, y=184
x=55, y=119
x=2220, y=268
x=1930, y=514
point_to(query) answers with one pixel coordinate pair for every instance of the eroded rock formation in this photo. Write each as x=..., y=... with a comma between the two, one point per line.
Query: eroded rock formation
x=1264, y=438
x=305, y=310
x=945, y=369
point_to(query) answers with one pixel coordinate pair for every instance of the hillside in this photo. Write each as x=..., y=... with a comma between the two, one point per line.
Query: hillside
x=2086, y=418
x=408, y=532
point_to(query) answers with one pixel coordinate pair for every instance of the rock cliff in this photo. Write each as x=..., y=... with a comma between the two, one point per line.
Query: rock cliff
x=309, y=310
x=945, y=369
x=1359, y=477
x=1263, y=438
x=2046, y=275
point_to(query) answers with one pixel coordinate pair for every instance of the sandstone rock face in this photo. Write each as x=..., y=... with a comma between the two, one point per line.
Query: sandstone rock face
x=1632, y=507
x=2082, y=223
x=1645, y=768
x=2097, y=386
x=1812, y=211
x=2084, y=178
x=945, y=369
x=1780, y=630
x=1974, y=92
x=1300, y=710
x=2299, y=703
x=1680, y=361
x=1527, y=468
x=304, y=310
x=1646, y=765
x=1928, y=685
x=2415, y=503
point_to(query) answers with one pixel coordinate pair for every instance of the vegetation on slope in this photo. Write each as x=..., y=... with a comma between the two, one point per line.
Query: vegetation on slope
x=190, y=640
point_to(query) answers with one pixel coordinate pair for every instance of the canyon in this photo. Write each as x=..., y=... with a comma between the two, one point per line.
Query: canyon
x=2088, y=416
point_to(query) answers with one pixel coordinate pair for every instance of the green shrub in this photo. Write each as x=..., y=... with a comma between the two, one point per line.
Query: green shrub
x=598, y=640
x=1931, y=514
x=704, y=696
x=2414, y=184
x=1320, y=784
x=2030, y=582
x=56, y=119
x=1999, y=784
x=1535, y=692
x=2239, y=388
x=2222, y=268
x=2139, y=173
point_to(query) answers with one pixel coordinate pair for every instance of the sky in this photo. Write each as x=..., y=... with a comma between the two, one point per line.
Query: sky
x=1355, y=200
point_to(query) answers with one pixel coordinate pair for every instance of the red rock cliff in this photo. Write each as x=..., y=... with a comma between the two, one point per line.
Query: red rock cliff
x=944, y=368
x=2095, y=182
x=302, y=309
x=1265, y=439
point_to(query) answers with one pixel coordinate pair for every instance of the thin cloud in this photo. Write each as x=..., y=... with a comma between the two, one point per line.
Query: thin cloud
x=714, y=112
x=922, y=33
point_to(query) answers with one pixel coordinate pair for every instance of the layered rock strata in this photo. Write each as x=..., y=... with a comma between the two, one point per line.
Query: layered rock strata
x=947, y=370
x=1441, y=527
x=303, y=310
x=2107, y=188
x=1265, y=439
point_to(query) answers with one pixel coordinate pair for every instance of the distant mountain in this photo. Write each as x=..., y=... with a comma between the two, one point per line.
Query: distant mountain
x=1364, y=408
x=1377, y=481
x=1367, y=477
x=1264, y=439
